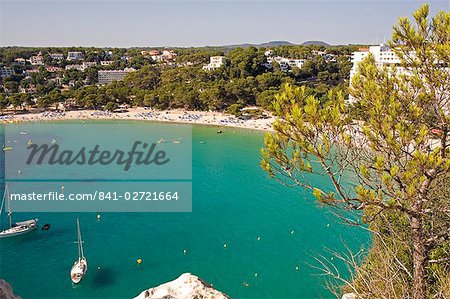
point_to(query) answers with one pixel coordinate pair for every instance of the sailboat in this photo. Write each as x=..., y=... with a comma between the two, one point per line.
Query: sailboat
x=79, y=267
x=15, y=228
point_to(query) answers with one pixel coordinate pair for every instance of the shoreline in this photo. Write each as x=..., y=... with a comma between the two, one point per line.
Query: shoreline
x=179, y=116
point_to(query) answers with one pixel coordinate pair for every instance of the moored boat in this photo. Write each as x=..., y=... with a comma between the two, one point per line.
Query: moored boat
x=15, y=228
x=79, y=267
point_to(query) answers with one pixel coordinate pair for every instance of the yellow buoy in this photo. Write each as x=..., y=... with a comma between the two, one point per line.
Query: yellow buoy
x=292, y=232
x=259, y=238
x=98, y=216
x=328, y=225
x=296, y=268
x=139, y=261
x=185, y=252
x=62, y=188
x=256, y=274
x=225, y=245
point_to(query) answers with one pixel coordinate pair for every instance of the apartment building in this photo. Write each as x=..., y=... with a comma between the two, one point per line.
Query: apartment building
x=383, y=55
x=215, y=62
x=87, y=64
x=75, y=55
x=6, y=72
x=57, y=56
x=108, y=76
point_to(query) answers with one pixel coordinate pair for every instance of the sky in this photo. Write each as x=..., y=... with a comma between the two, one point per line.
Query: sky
x=186, y=23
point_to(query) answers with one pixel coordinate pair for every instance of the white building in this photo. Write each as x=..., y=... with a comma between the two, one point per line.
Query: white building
x=37, y=60
x=215, y=62
x=383, y=55
x=57, y=56
x=108, y=76
x=78, y=67
x=87, y=64
x=74, y=55
x=285, y=64
x=6, y=72
x=295, y=63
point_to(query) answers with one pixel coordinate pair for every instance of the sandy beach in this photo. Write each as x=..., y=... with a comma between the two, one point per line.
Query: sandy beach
x=176, y=116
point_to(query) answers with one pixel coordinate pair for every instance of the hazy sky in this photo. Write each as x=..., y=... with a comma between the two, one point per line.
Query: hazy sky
x=199, y=23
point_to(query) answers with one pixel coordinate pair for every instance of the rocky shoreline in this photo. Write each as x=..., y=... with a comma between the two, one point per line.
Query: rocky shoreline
x=6, y=291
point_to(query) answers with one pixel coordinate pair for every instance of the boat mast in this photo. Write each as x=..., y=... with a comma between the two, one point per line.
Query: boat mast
x=6, y=195
x=80, y=242
x=2, y=204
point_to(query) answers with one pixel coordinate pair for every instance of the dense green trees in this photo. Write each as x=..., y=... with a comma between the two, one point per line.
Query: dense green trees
x=244, y=80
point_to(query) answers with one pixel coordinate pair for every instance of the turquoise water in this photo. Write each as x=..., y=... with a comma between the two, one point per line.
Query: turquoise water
x=234, y=203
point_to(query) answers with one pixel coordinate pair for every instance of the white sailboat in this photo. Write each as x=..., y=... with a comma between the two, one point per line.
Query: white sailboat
x=15, y=228
x=79, y=267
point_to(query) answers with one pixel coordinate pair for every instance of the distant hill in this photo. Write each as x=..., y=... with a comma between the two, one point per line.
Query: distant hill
x=315, y=43
x=265, y=45
x=277, y=43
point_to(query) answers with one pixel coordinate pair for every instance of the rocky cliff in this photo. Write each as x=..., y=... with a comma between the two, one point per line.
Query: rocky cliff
x=186, y=286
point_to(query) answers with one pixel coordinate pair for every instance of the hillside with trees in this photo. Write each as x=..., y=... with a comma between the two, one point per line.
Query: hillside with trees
x=244, y=80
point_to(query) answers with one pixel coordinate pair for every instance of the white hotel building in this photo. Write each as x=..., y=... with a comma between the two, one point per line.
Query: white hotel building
x=108, y=76
x=383, y=55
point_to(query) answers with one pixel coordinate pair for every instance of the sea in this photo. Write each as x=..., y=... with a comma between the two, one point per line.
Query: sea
x=247, y=234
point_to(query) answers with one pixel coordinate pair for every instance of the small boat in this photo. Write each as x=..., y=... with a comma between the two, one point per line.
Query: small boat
x=23, y=133
x=7, y=148
x=161, y=140
x=219, y=132
x=79, y=267
x=15, y=228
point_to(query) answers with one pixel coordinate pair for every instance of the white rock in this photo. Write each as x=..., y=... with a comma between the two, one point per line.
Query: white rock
x=186, y=286
x=6, y=291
